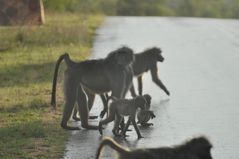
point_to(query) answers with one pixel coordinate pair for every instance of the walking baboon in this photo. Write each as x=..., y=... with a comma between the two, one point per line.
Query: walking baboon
x=145, y=61
x=124, y=107
x=196, y=148
x=99, y=76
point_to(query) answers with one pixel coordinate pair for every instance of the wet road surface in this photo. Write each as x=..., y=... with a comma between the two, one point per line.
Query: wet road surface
x=201, y=71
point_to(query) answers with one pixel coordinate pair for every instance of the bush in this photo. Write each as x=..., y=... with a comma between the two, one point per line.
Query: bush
x=194, y=8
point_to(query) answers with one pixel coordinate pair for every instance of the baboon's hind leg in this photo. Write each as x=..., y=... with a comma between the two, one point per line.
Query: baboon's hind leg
x=91, y=99
x=75, y=112
x=70, y=98
x=84, y=110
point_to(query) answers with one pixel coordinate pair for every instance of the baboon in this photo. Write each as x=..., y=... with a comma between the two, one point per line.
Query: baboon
x=196, y=148
x=145, y=61
x=144, y=116
x=120, y=108
x=114, y=73
x=104, y=97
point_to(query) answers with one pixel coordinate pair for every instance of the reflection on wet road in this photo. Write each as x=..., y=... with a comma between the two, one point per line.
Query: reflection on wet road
x=200, y=70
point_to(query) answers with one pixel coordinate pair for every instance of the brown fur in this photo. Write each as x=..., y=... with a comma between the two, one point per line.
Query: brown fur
x=124, y=107
x=196, y=148
x=114, y=73
x=147, y=61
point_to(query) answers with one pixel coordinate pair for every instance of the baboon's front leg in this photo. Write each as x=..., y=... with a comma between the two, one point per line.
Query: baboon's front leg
x=156, y=80
x=132, y=91
x=136, y=127
x=140, y=85
x=91, y=99
x=105, y=103
x=84, y=110
x=126, y=128
x=118, y=88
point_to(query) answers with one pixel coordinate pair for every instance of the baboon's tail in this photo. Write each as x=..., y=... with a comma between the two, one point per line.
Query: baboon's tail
x=53, y=93
x=70, y=64
x=110, y=142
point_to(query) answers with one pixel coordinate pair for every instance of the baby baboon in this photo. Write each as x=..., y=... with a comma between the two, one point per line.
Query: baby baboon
x=114, y=73
x=145, y=61
x=196, y=148
x=124, y=107
x=144, y=116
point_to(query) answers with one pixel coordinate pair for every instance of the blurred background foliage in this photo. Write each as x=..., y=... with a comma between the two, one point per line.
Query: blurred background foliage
x=189, y=8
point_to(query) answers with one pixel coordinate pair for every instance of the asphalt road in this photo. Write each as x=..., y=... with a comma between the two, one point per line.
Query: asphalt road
x=201, y=71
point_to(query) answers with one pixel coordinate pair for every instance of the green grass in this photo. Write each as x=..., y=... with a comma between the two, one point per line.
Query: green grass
x=29, y=128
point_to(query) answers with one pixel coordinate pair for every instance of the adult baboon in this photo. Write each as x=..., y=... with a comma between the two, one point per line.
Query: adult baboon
x=196, y=148
x=98, y=76
x=145, y=61
x=124, y=107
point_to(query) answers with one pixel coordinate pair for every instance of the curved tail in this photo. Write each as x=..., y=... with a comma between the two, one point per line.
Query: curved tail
x=70, y=64
x=110, y=142
x=53, y=93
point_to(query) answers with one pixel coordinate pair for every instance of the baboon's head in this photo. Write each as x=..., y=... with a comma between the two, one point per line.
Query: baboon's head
x=201, y=147
x=123, y=56
x=155, y=53
x=147, y=97
x=140, y=102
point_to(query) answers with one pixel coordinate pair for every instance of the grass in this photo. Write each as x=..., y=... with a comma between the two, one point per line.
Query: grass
x=29, y=128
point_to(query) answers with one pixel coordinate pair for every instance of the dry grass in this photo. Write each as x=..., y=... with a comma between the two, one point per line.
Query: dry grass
x=28, y=126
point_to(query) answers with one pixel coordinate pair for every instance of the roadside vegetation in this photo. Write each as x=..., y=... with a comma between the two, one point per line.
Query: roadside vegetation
x=29, y=128
x=188, y=8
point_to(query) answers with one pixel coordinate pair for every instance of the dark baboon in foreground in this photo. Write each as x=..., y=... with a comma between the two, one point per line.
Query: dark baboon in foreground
x=145, y=61
x=114, y=73
x=124, y=107
x=196, y=148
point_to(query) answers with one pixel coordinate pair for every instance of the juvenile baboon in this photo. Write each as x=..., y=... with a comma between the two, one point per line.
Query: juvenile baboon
x=124, y=107
x=99, y=76
x=145, y=61
x=196, y=148
x=144, y=116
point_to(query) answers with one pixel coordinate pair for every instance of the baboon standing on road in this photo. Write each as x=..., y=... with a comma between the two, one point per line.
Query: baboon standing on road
x=114, y=73
x=145, y=61
x=124, y=107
